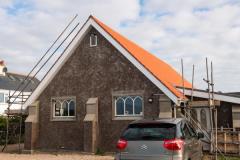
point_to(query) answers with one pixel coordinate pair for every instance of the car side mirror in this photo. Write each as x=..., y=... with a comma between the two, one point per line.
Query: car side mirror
x=200, y=135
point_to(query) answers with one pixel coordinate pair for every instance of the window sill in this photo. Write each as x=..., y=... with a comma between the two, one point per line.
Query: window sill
x=128, y=118
x=63, y=119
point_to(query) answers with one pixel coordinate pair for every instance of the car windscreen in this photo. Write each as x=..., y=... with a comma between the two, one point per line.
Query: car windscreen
x=151, y=132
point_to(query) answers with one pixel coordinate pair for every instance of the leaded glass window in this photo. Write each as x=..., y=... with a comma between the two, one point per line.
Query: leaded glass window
x=128, y=106
x=64, y=107
x=120, y=106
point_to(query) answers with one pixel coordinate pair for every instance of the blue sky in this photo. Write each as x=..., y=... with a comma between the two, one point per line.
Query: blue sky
x=18, y=6
x=173, y=29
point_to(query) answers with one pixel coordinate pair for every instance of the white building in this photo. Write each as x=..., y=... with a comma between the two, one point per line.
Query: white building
x=9, y=82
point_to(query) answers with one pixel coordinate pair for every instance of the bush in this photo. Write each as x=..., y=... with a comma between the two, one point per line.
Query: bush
x=2, y=123
x=14, y=129
x=99, y=152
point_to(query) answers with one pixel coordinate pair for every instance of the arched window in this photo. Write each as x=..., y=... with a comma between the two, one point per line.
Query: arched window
x=64, y=110
x=64, y=107
x=129, y=106
x=57, y=108
x=120, y=106
x=203, y=118
x=138, y=104
x=71, y=108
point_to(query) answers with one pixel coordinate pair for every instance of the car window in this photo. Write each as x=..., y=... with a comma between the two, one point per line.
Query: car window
x=186, y=131
x=179, y=131
x=150, y=132
x=192, y=131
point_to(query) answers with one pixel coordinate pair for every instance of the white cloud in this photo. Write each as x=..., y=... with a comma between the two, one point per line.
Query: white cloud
x=171, y=29
x=193, y=31
x=175, y=6
x=28, y=29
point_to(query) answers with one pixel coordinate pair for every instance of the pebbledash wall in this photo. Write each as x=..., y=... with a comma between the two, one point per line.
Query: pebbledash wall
x=99, y=72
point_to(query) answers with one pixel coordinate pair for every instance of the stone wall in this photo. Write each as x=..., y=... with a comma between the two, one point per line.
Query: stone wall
x=92, y=72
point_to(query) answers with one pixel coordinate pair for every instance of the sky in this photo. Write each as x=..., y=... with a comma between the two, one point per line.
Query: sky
x=172, y=30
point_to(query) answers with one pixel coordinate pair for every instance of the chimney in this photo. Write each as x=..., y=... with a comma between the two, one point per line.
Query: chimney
x=3, y=68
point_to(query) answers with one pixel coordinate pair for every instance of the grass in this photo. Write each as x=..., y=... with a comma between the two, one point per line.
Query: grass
x=99, y=152
x=229, y=158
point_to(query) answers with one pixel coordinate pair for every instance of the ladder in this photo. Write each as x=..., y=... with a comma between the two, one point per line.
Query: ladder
x=204, y=130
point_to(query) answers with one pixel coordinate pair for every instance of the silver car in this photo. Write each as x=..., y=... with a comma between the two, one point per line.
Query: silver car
x=162, y=139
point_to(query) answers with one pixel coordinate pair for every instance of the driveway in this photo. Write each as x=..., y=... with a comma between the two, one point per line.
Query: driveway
x=47, y=156
x=69, y=156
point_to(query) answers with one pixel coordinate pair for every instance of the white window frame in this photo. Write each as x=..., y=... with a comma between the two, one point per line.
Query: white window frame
x=96, y=40
x=124, y=102
x=61, y=100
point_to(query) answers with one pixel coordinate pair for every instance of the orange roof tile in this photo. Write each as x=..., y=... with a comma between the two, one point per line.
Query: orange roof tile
x=161, y=70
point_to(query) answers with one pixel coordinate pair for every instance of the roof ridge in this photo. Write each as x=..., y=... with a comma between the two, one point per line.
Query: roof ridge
x=151, y=62
x=161, y=74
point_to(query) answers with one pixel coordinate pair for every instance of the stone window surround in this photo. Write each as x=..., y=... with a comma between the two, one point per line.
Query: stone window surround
x=115, y=94
x=90, y=39
x=63, y=118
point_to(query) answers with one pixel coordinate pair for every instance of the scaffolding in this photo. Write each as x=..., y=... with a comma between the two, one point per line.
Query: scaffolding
x=213, y=139
x=18, y=96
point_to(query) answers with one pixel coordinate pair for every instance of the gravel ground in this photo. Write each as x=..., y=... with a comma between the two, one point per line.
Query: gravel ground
x=47, y=156
x=69, y=156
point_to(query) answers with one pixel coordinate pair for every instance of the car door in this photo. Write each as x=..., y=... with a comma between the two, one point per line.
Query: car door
x=197, y=145
x=188, y=146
